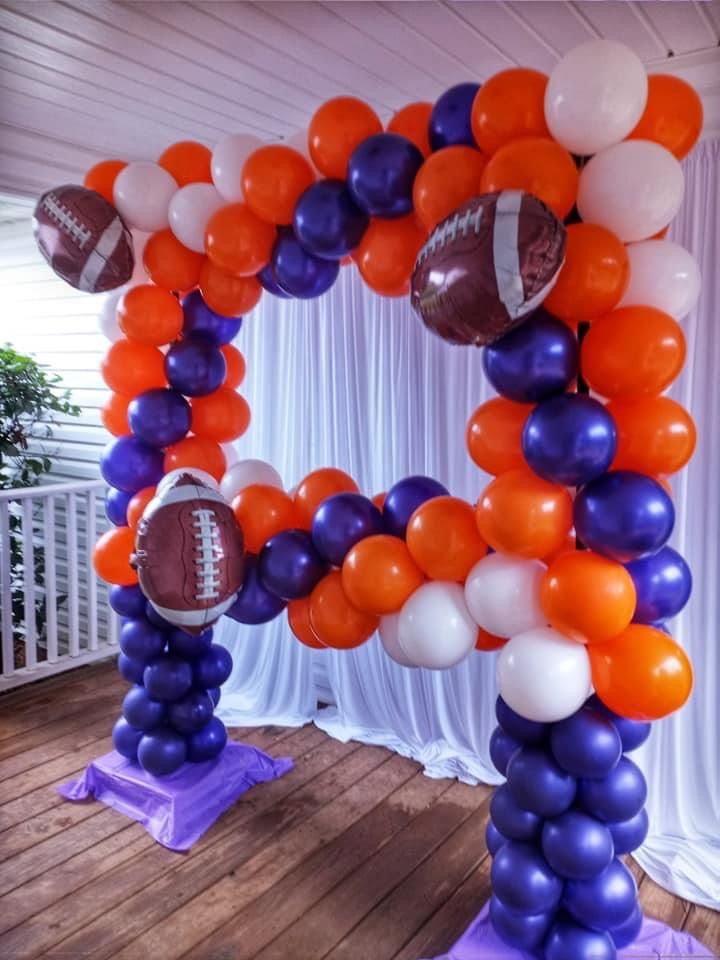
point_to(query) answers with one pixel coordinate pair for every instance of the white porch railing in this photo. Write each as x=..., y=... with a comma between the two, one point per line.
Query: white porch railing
x=55, y=613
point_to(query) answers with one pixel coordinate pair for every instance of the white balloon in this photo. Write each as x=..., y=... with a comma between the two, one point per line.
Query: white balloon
x=663, y=275
x=200, y=475
x=142, y=193
x=435, y=629
x=107, y=318
x=388, y=629
x=245, y=472
x=595, y=96
x=189, y=211
x=227, y=162
x=231, y=455
x=634, y=189
x=543, y=675
x=503, y=594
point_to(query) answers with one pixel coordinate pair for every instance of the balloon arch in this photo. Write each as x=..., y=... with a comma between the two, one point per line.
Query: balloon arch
x=527, y=215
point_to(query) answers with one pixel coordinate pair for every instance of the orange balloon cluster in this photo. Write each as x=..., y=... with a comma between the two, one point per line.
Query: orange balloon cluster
x=443, y=538
x=150, y=315
x=169, y=264
x=379, y=574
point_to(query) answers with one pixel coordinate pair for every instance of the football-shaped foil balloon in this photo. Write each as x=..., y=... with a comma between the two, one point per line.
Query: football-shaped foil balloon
x=189, y=554
x=83, y=238
x=487, y=266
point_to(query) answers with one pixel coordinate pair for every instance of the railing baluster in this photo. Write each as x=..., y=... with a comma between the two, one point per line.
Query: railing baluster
x=50, y=581
x=73, y=570
x=8, y=654
x=92, y=605
x=29, y=584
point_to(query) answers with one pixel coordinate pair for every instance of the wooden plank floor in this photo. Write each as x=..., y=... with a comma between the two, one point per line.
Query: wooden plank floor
x=354, y=855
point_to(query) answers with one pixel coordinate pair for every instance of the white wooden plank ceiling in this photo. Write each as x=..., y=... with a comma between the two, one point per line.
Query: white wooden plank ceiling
x=81, y=80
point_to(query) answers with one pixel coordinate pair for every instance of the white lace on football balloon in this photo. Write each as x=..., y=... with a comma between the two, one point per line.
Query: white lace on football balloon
x=206, y=554
x=448, y=231
x=66, y=220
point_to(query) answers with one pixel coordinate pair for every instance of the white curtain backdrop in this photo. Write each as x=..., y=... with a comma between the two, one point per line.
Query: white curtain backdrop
x=355, y=381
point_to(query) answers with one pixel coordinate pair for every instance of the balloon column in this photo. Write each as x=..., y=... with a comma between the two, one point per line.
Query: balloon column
x=528, y=216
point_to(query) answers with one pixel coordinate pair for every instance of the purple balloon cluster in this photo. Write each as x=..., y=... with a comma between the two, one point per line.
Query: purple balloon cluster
x=167, y=715
x=572, y=805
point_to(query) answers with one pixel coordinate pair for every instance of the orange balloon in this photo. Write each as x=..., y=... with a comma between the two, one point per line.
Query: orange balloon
x=508, y=106
x=642, y=674
x=150, y=315
x=488, y=641
x=262, y=511
x=318, y=486
x=101, y=178
x=298, y=614
x=238, y=241
x=235, y=363
x=136, y=507
x=336, y=622
x=169, y=263
x=413, y=123
x=111, y=557
x=198, y=452
x=187, y=162
x=443, y=538
x=593, y=277
x=446, y=180
x=226, y=294
x=379, y=500
x=387, y=253
x=379, y=574
x=273, y=178
x=336, y=128
x=632, y=352
x=522, y=514
x=661, y=234
x=494, y=435
x=673, y=115
x=114, y=415
x=222, y=416
x=588, y=597
x=655, y=435
x=131, y=368
x=536, y=164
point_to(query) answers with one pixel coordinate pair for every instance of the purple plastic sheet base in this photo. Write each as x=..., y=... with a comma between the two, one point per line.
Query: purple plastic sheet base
x=176, y=810
x=656, y=942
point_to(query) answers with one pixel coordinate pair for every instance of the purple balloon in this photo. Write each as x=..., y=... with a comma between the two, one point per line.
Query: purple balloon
x=576, y=846
x=404, y=498
x=125, y=739
x=255, y=604
x=140, y=640
x=569, y=439
x=381, y=172
x=534, y=361
x=160, y=417
x=297, y=271
x=493, y=838
x=116, y=503
x=215, y=695
x=187, y=645
x=200, y=321
x=269, y=282
x=586, y=744
x=162, y=752
x=663, y=584
x=340, y=522
x=212, y=667
x=167, y=678
x=538, y=784
x=517, y=727
x=623, y=515
x=502, y=748
x=192, y=712
x=570, y=941
x=523, y=879
x=327, y=221
x=605, y=901
x=519, y=930
x=629, y=931
x=128, y=601
x=450, y=120
x=290, y=566
x=195, y=367
x=130, y=669
x=512, y=820
x=630, y=834
x=156, y=620
x=633, y=733
x=618, y=796
x=141, y=711
x=208, y=742
x=129, y=464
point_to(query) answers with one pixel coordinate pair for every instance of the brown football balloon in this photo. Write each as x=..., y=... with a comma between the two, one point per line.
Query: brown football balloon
x=189, y=554
x=487, y=266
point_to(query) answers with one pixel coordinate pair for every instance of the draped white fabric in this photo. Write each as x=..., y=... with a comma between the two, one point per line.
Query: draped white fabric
x=355, y=381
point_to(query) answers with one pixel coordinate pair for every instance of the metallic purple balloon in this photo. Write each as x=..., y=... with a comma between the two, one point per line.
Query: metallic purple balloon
x=512, y=820
x=577, y=846
x=125, y=738
x=523, y=931
x=128, y=601
x=340, y=522
x=116, y=504
x=129, y=464
x=141, y=711
x=140, y=640
x=586, y=744
x=605, y=901
x=181, y=644
x=568, y=940
x=290, y=566
x=502, y=748
x=538, y=784
x=297, y=271
x=212, y=667
x=255, y=603
x=160, y=417
x=327, y=221
x=633, y=733
x=630, y=834
x=629, y=931
x=192, y=712
x=493, y=838
x=195, y=367
x=381, y=172
x=618, y=796
x=663, y=584
x=200, y=321
x=167, y=678
x=517, y=727
x=450, y=119
x=208, y=742
x=130, y=669
x=162, y=752
x=523, y=879
x=404, y=498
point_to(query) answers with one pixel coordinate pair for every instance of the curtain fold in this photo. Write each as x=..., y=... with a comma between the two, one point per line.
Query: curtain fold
x=355, y=381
